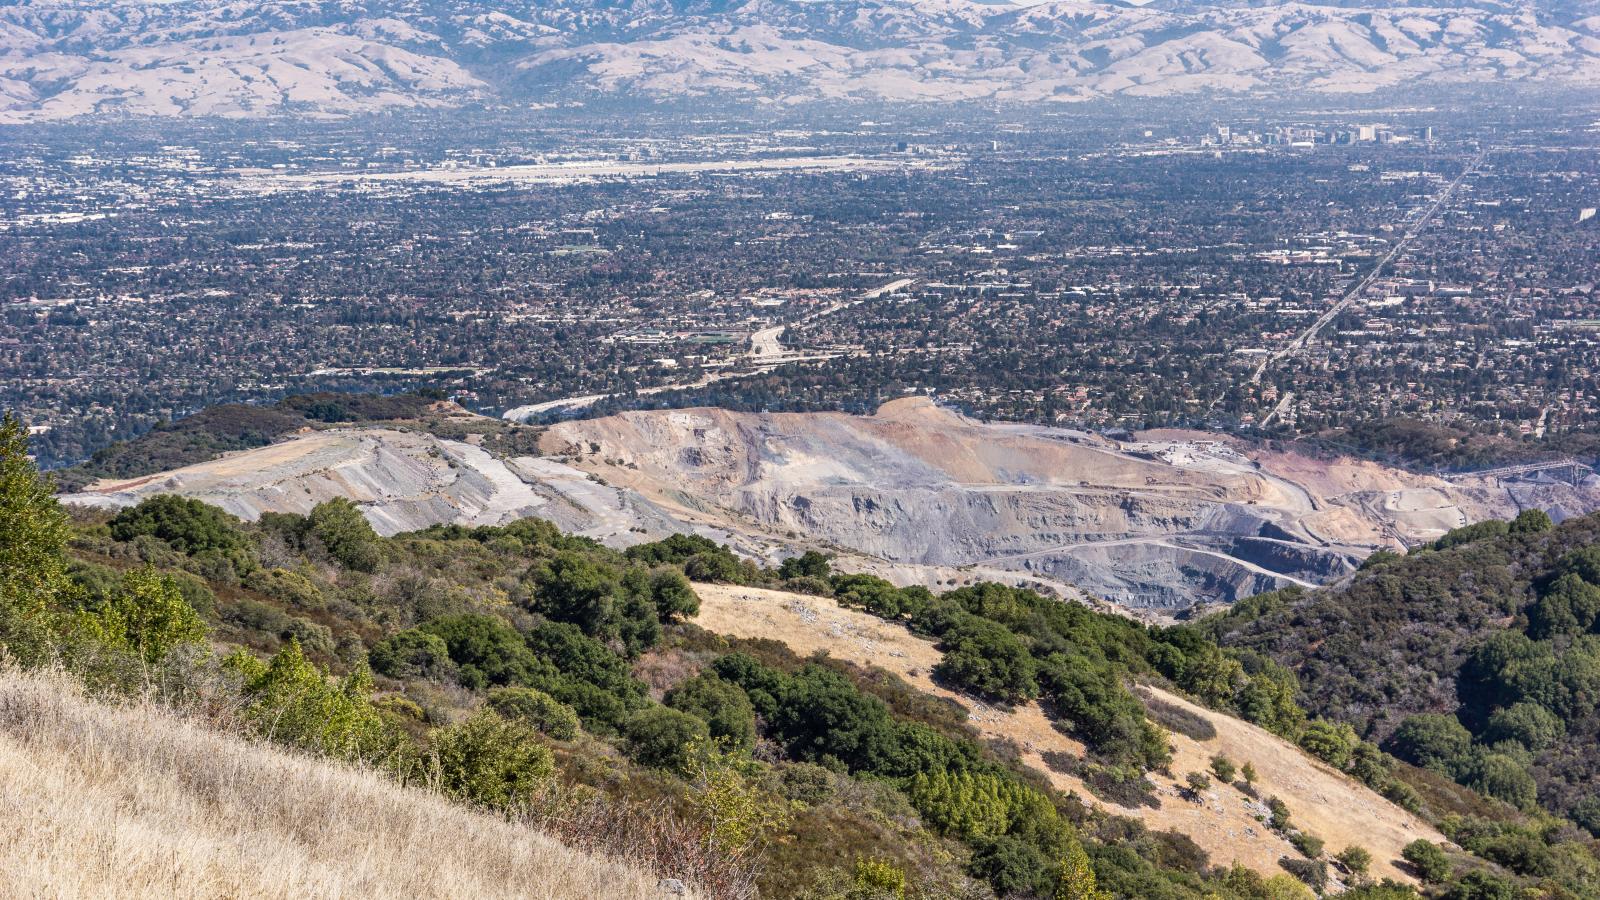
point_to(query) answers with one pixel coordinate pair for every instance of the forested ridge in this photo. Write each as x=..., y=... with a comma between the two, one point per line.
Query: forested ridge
x=563, y=684
x=1476, y=657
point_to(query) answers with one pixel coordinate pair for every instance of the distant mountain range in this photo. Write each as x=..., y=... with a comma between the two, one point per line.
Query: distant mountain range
x=67, y=58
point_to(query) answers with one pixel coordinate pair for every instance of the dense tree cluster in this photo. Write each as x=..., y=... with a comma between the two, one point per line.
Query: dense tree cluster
x=1477, y=657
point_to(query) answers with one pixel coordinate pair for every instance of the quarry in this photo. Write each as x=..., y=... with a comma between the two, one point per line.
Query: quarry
x=916, y=493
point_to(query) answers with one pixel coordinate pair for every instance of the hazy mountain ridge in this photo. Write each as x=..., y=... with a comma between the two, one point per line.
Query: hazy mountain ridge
x=222, y=57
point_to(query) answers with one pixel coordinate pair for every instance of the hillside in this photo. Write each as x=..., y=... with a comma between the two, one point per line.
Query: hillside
x=213, y=58
x=130, y=800
x=551, y=679
x=1477, y=657
x=1329, y=804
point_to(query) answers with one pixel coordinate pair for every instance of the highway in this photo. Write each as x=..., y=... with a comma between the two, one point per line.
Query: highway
x=1360, y=289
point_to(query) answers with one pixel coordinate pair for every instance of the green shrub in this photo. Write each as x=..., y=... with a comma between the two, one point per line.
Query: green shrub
x=1331, y=743
x=816, y=587
x=1355, y=860
x=412, y=653
x=877, y=596
x=195, y=592
x=1531, y=521
x=1427, y=860
x=93, y=582
x=1529, y=724
x=819, y=716
x=346, y=534
x=877, y=879
x=662, y=737
x=1369, y=765
x=601, y=711
x=485, y=650
x=976, y=806
x=1223, y=768
x=33, y=538
x=291, y=701
x=570, y=587
x=1122, y=785
x=1097, y=709
x=1308, y=845
x=1402, y=795
x=1587, y=814
x=185, y=524
x=581, y=658
x=536, y=709
x=1430, y=740
x=253, y=615
x=983, y=657
x=314, y=637
x=1469, y=533
x=809, y=564
x=1501, y=777
x=605, y=603
x=1569, y=605
x=1380, y=557
x=1278, y=819
x=1075, y=877
x=673, y=550
x=145, y=616
x=720, y=566
x=1013, y=867
x=288, y=587
x=1479, y=885
x=723, y=706
x=491, y=761
x=806, y=783
x=673, y=596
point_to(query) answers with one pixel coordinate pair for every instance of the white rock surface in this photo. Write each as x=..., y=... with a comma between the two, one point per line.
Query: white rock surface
x=403, y=481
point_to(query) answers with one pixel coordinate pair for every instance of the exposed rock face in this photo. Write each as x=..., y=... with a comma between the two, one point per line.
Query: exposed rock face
x=1162, y=522
x=915, y=493
x=403, y=481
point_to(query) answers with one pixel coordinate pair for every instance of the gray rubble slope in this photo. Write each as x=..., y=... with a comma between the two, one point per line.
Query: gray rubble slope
x=403, y=481
x=915, y=493
x=1152, y=523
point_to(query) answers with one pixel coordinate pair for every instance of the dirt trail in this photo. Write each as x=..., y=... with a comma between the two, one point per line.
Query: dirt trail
x=1321, y=801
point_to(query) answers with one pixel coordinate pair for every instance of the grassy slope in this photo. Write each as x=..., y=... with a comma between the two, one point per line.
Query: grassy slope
x=133, y=801
x=1326, y=803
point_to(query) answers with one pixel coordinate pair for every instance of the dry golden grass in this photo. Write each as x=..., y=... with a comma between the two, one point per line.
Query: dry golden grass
x=103, y=801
